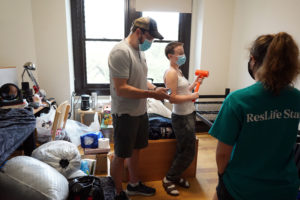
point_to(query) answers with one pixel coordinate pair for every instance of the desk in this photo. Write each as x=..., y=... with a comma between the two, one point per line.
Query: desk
x=90, y=111
x=43, y=109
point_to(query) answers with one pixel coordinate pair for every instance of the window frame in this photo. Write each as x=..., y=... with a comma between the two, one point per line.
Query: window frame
x=79, y=49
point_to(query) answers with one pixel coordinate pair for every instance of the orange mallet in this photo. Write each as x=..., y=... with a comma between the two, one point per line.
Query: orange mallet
x=201, y=74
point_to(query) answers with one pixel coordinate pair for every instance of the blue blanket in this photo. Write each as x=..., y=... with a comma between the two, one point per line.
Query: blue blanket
x=15, y=127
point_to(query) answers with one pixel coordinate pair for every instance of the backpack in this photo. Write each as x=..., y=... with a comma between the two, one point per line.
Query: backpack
x=85, y=188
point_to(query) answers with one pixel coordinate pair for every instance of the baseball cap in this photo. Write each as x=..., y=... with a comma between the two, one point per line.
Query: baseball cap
x=149, y=25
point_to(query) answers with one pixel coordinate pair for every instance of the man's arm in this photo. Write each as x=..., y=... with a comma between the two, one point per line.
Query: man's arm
x=128, y=91
x=223, y=154
x=151, y=86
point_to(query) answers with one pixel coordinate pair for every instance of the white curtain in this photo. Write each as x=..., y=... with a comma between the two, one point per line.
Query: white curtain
x=182, y=6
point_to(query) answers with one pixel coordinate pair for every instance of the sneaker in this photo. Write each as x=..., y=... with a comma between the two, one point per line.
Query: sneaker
x=140, y=189
x=122, y=196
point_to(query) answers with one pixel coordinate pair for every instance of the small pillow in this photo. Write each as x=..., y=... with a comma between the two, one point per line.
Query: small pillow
x=28, y=178
x=157, y=107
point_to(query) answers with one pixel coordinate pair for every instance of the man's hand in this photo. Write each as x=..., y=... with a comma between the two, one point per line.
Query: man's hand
x=160, y=93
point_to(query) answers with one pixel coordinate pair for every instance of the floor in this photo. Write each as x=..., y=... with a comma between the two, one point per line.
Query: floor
x=203, y=185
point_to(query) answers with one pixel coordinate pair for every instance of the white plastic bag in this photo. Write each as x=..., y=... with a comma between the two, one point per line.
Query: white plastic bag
x=77, y=174
x=75, y=129
x=95, y=125
x=44, y=125
x=157, y=107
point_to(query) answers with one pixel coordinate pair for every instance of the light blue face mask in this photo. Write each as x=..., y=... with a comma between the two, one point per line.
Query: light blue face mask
x=181, y=60
x=146, y=45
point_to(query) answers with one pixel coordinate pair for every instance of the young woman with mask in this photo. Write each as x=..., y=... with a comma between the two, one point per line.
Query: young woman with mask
x=183, y=117
x=257, y=126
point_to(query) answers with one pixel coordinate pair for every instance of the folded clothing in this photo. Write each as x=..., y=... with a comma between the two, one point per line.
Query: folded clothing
x=160, y=127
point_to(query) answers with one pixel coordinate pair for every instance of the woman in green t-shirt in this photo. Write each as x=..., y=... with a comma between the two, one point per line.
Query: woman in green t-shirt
x=257, y=126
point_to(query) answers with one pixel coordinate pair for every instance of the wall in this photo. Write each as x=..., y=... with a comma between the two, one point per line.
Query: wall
x=196, y=37
x=251, y=19
x=212, y=24
x=39, y=31
x=53, y=47
x=17, y=44
x=211, y=31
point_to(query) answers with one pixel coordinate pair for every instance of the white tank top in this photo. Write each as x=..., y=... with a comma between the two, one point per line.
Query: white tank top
x=186, y=107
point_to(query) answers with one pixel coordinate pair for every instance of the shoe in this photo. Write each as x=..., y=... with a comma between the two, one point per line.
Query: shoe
x=122, y=196
x=182, y=183
x=140, y=189
x=169, y=187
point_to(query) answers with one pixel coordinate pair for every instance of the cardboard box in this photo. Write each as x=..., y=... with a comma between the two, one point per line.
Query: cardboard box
x=101, y=167
x=101, y=163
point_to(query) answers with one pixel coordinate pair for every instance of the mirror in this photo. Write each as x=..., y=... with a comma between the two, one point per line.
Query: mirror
x=9, y=92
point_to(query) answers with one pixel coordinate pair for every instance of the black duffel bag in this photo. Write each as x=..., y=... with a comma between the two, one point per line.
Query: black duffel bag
x=85, y=188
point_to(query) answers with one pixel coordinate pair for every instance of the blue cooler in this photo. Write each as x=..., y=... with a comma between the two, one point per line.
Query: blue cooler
x=90, y=140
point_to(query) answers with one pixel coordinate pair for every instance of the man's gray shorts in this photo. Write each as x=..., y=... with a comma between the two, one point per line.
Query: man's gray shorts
x=130, y=132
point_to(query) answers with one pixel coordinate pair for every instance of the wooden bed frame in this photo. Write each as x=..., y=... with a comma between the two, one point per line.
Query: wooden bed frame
x=204, y=124
x=156, y=159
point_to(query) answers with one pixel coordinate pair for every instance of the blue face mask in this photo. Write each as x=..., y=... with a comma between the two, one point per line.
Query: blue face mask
x=181, y=60
x=145, y=46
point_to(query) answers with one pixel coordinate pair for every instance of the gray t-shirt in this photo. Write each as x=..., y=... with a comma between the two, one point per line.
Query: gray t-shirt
x=126, y=62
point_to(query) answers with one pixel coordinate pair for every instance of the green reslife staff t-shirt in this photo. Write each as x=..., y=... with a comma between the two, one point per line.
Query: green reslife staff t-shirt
x=263, y=130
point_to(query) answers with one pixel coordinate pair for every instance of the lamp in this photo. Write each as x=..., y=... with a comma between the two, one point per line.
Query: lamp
x=27, y=93
x=28, y=67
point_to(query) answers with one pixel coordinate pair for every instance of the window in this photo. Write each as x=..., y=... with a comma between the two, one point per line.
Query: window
x=101, y=36
x=167, y=24
x=97, y=25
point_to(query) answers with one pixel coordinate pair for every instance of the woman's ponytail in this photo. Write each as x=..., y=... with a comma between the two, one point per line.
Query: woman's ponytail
x=280, y=65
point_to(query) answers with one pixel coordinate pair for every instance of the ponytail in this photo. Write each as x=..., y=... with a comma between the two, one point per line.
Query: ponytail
x=280, y=65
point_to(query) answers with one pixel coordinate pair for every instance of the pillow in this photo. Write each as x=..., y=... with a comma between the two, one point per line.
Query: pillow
x=61, y=155
x=28, y=178
x=157, y=107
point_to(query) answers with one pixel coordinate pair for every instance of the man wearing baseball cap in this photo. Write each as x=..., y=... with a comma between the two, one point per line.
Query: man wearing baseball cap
x=149, y=25
x=129, y=90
